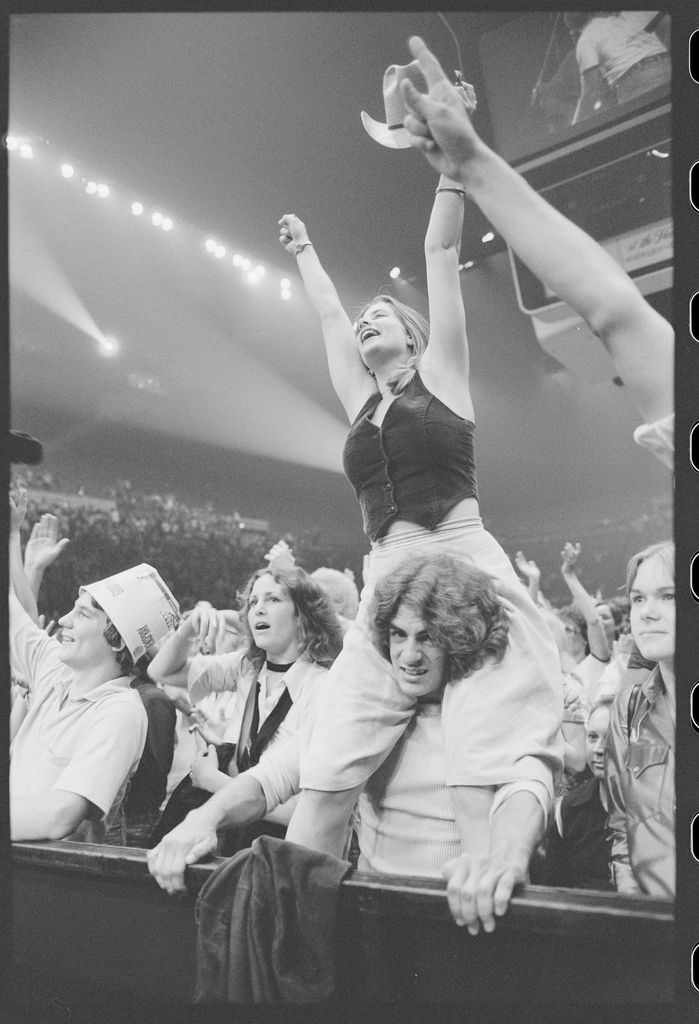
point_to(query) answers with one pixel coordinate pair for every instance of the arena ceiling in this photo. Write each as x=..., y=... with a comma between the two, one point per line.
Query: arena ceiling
x=223, y=122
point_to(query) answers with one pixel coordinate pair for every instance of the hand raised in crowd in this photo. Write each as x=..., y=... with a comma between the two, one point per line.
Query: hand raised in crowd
x=437, y=121
x=18, y=508
x=44, y=545
x=479, y=888
x=205, y=767
x=203, y=624
x=528, y=567
x=280, y=556
x=230, y=633
x=185, y=845
x=569, y=555
x=292, y=232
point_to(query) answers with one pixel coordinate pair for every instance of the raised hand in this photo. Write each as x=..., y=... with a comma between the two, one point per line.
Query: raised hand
x=44, y=545
x=280, y=556
x=527, y=567
x=230, y=632
x=292, y=232
x=438, y=121
x=18, y=508
x=569, y=556
x=203, y=624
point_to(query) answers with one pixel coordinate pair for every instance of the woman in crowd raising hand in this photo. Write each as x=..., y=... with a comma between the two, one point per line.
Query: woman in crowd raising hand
x=409, y=456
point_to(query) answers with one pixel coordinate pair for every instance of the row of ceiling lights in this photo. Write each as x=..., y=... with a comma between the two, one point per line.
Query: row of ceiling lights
x=214, y=248
x=157, y=218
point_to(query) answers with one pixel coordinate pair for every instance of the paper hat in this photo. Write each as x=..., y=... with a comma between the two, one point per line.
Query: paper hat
x=392, y=133
x=139, y=604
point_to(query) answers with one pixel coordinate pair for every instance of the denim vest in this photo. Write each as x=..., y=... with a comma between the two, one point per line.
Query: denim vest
x=416, y=466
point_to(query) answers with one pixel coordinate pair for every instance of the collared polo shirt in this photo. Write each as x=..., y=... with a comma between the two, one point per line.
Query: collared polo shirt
x=89, y=744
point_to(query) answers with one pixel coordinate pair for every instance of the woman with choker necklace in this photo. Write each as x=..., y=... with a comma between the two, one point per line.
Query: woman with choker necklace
x=404, y=385
x=293, y=636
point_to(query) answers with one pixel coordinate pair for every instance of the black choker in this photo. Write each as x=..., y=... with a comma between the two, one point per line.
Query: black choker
x=272, y=667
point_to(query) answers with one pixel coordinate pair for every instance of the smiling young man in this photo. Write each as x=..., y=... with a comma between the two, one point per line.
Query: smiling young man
x=85, y=730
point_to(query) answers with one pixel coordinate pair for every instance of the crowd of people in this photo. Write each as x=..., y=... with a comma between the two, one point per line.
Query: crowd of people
x=198, y=550
x=451, y=721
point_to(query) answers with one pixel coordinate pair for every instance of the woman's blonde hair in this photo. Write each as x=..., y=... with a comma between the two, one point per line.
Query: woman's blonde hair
x=418, y=330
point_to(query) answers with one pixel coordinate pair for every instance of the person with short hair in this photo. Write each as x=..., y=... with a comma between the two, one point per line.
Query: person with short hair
x=578, y=845
x=83, y=735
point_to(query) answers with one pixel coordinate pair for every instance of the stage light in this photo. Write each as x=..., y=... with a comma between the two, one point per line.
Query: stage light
x=26, y=151
x=245, y=264
x=395, y=272
x=67, y=170
x=157, y=219
x=137, y=209
x=285, y=283
x=91, y=188
x=11, y=142
x=285, y=294
x=220, y=252
x=167, y=224
x=252, y=277
x=488, y=236
x=260, y=270
x=210, y=245
x=237, y=260
x=103, y=191
x=108, y=346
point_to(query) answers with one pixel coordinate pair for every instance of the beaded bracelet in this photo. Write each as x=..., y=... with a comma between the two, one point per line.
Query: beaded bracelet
x=448, y=188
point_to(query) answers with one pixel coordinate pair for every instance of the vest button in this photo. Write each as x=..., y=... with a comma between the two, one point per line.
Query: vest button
x=391, y=508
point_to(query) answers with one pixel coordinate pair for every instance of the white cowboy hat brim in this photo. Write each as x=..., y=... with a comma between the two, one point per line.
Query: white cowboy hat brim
x=394, y=138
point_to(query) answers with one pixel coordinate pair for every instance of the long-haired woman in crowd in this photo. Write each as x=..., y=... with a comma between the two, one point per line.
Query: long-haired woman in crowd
x=292, y=637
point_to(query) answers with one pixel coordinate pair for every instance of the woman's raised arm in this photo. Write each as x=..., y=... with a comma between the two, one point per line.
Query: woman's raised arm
x=445, y=364
x=349, y=376
x=574, y=266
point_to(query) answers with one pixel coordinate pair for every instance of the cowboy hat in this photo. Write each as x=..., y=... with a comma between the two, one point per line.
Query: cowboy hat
x=392, y=133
